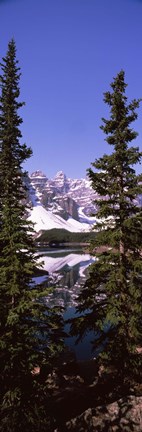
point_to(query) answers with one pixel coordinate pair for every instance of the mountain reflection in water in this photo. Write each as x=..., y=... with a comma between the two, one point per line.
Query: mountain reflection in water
x=67, y=273
x=68, y=270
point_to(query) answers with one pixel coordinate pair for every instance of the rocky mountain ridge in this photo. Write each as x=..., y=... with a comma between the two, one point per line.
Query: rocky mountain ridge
x=62, y=202
x=69, y=193
x=69, y=199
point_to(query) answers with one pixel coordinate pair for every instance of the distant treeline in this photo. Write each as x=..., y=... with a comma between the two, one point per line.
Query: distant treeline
x=56, y=236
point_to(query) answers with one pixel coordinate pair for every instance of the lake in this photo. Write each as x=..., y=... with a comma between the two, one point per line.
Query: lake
x=68, y=270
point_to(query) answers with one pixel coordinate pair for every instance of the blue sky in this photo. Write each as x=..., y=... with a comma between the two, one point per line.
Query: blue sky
x=69, y=51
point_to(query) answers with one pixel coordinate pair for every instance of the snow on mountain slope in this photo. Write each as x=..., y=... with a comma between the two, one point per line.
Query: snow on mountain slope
x=46, y=220
x=84, y=218
x=62, y=202
x=78, y=190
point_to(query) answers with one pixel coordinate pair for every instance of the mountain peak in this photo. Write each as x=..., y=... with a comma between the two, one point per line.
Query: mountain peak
x=38, y=174
x=60, y=175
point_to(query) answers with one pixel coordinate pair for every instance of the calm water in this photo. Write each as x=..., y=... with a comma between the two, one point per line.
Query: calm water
x=68, y=270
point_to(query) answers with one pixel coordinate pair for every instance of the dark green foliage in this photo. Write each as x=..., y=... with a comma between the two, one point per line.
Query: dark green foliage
x=112, y=296
x=58, y=236
x=29, y=331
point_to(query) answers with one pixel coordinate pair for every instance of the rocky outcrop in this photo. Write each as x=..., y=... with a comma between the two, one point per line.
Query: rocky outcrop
x=39, y=179
x=123, y=415
x=66, y=197
x=62, y=193
x=69, y=205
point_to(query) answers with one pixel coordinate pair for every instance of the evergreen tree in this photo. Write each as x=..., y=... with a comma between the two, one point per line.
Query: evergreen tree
x=112, y=296
x=29, y=331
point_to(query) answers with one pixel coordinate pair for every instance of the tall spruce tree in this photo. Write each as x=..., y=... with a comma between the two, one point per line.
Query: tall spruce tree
x=29, y=331
x=112, y=296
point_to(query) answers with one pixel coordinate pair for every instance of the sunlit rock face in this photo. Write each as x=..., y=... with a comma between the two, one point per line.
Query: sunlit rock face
x=68, y=205
x=64, y=196
x=71, y=200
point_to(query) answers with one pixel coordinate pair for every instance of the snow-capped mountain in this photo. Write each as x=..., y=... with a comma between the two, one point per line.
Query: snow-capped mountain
x=69, y=193
x=61, y=202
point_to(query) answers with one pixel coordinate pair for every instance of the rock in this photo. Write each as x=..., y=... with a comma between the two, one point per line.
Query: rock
x=63, y=196
x=124, y=415
x=83, y=423
x=69, y=206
